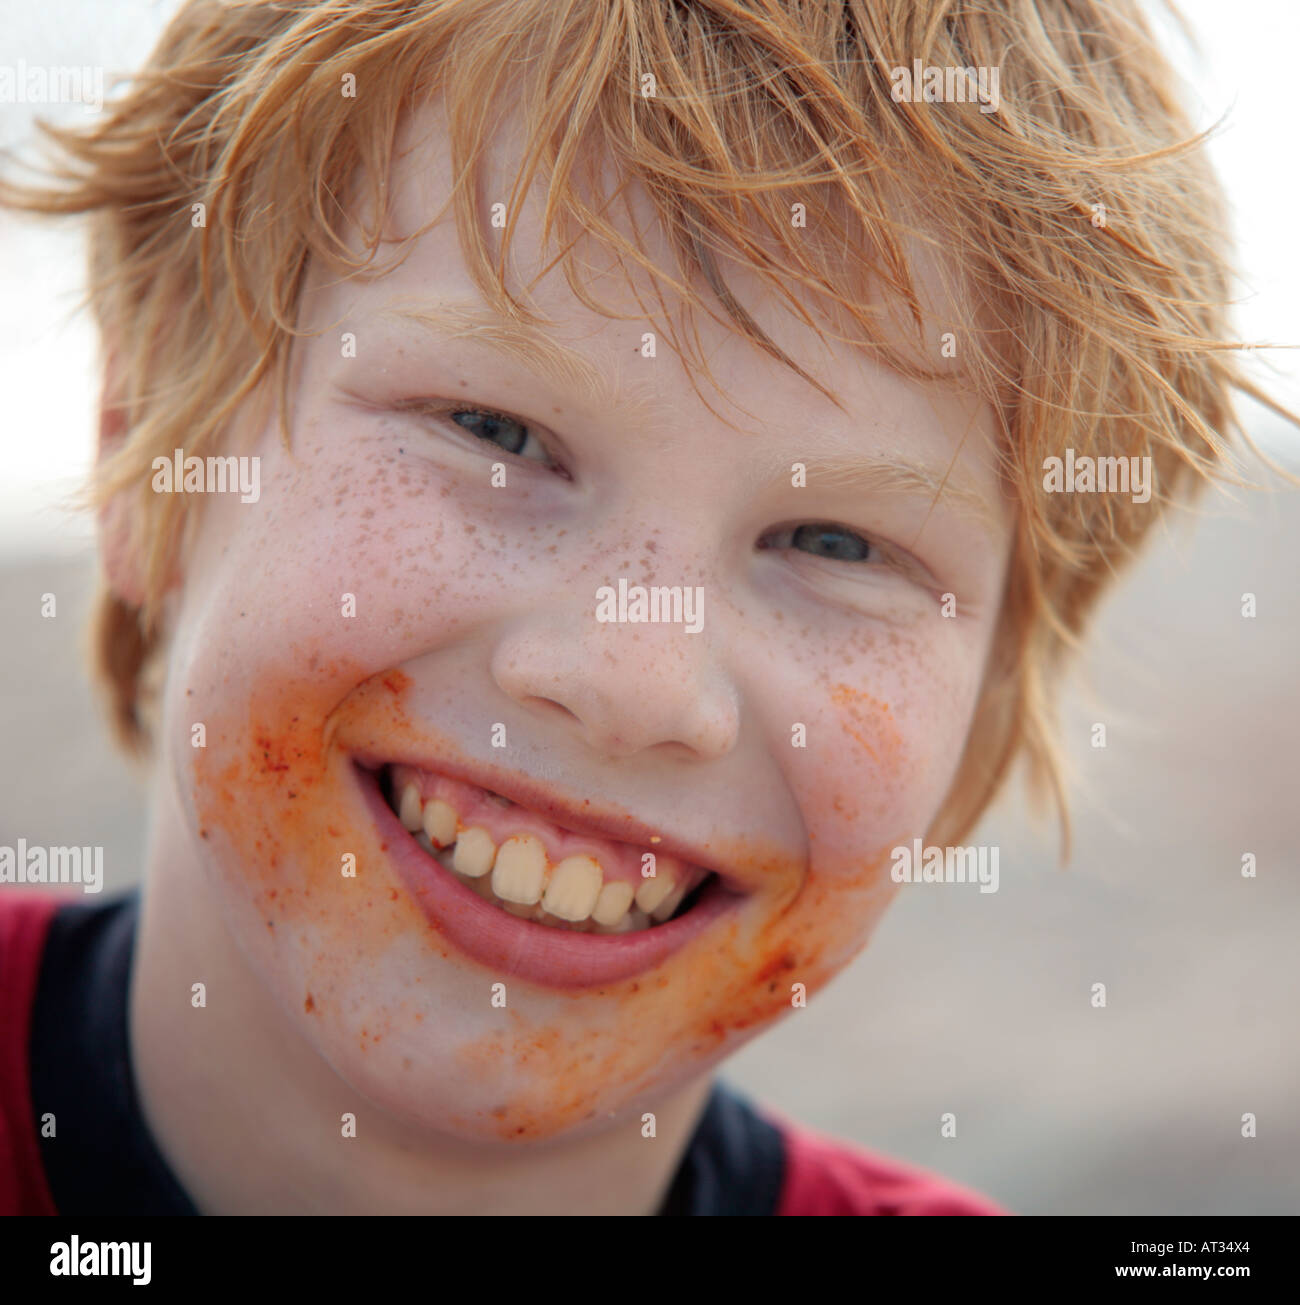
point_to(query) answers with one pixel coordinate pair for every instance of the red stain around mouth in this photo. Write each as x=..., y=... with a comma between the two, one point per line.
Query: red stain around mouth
x=572, y=1056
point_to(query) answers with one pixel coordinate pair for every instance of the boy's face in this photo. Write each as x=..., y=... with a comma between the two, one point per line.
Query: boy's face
x=391, y=600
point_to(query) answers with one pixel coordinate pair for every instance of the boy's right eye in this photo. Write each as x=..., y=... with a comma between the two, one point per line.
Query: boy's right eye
x=507, y=433
x=512, y=435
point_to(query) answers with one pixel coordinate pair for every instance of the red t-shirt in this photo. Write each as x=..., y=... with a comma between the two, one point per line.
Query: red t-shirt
x=809, y=1173
x=24, y=920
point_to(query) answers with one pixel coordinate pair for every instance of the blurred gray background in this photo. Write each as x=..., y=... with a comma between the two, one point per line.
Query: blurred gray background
x=978, y=1004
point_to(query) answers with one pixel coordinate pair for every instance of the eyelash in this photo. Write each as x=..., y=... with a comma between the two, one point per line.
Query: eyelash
x=874, y=549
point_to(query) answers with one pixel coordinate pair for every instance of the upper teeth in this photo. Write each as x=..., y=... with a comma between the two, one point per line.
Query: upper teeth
x=439, y=822
x=519, y=872
x=410, y=810
x=612, y=903
x=474, y=853
x=524, y=881
x=574, y=888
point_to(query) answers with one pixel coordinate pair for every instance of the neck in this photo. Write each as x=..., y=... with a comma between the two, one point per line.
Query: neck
x=248, y=1114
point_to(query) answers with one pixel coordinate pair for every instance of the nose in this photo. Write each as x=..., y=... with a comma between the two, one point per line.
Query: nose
x=623, y=687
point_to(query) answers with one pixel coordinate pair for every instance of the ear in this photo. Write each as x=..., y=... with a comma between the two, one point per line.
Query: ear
x=123, y=564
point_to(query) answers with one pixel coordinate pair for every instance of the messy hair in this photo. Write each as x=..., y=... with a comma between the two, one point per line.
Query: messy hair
x=1087, y=227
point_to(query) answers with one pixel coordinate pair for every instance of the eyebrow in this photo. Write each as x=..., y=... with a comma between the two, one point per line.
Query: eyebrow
x=535, y=350
x=869, y=474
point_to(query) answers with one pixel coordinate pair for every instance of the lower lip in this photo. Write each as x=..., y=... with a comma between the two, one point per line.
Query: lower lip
x=552, y=958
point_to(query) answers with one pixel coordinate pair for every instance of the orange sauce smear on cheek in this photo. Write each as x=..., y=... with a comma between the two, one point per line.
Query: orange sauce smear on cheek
x=867, y=721
x=286, y=805
x=673, y=1023
x=861, y=786
x=668, y=1026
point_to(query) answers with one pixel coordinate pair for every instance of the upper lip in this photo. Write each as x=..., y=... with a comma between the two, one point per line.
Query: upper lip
x=577, y=817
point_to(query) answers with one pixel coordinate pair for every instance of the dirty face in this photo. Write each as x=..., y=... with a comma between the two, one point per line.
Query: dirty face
x=557, y=727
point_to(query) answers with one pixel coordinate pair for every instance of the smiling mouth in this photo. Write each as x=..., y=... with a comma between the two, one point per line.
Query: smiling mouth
x=527, y=866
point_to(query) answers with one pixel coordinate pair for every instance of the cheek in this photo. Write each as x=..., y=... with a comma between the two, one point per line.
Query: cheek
x=358, y=548
x=883, y=746
x=281, y=828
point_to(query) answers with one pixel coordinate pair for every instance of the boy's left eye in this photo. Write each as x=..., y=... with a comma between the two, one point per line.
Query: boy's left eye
x=832, y=542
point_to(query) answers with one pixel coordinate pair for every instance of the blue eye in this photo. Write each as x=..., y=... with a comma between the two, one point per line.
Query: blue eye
x=831, y=542
x=496, y=428
x=487, y=426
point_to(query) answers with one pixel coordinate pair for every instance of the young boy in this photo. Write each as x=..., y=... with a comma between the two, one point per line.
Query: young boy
x=542, y=668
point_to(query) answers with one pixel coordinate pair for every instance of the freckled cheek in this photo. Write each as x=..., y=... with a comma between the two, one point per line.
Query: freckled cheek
x=878, y=763
x=365, y=577
x=855, y=789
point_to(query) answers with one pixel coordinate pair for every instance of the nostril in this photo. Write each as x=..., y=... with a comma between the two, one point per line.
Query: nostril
x=549, y=704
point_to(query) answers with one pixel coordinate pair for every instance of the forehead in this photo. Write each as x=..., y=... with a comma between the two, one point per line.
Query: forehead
x=599, y=355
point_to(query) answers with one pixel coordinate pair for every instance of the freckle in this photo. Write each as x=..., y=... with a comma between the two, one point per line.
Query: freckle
x=310, y=1004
